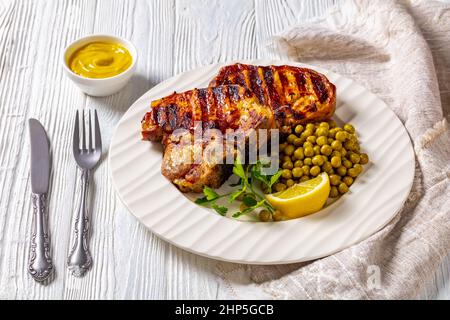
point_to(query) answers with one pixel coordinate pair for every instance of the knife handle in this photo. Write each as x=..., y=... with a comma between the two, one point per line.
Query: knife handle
x=40, y=263
x=80, y=260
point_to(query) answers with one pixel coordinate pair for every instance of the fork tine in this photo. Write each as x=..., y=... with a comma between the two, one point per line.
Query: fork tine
x=83, y=133
x=98, y=137
x=76, y=135
x=90, y=131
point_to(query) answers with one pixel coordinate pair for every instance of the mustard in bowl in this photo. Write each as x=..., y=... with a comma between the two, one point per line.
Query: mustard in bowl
x=100, y=59
x=100, y=65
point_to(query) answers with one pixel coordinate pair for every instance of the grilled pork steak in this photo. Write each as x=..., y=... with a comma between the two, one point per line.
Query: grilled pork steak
x=241, y=97
x=295, y=95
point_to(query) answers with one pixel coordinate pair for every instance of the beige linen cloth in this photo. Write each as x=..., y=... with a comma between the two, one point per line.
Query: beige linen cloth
x=399, y=50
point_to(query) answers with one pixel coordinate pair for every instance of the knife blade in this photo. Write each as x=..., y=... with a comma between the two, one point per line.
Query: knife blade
x=40, y=264
x=40, y=157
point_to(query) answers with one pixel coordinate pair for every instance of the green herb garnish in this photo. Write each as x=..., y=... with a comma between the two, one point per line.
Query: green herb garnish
x=248, y=177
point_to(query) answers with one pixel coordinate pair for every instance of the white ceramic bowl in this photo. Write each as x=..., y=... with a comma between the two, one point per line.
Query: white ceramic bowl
x=104, y=86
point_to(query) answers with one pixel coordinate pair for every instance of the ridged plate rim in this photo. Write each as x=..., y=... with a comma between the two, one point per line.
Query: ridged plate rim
x=176, y=219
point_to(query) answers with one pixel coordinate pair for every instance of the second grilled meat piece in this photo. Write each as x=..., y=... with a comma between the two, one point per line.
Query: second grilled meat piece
x=222, y=108
x=296, y=95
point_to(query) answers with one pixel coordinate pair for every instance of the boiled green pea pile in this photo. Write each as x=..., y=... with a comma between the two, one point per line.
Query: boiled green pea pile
x=321, y=147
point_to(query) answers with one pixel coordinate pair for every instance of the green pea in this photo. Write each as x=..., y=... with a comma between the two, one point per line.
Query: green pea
x=305, y=169
x=355, y=158
x=336, y=145
x=308, y=132
x=307, y=144
x=324, y=125
x=347, y=163
x=298, y=164
x=298, y=129
x=311, y=139
x=310, y=126
x=358, y=168
x=287, y=165
x=265, y=215
x=286, y=174
x=326, y=167
x=342, y=171
x=316, y=150
x=326, y=150
x=335, y=154
x=289, y=150
x=353, y=138
x=286, y=159
x=332, y=133
x=343, y=188
x=317, y=160
x=321, y=140
x=291, y=138
x=350, y=145
x=349, y=128
x=334, y=193
x=298, y=142
x=314, y=171
x=352, y=172
x=307, y=161
x=347, y=180
x=309, y=151
x=330, y=141
x=297, y=172
x=277, y=215
x=304, y=178
x=298, y=154
x=343, y=152
x=282, y=146
x=341, y=136
x=335, y=162
x=279, y=187
x=364, y=158
x=335, y=179
x=289, y=183
x=321, y=131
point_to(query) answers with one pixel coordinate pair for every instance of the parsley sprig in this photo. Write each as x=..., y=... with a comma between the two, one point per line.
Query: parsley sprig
x=246, y=191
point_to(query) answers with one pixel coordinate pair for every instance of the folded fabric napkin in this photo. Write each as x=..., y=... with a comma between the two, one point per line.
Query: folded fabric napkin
x=400, y=50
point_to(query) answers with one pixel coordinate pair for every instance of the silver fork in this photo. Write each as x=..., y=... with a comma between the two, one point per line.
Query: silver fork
x=80, y=259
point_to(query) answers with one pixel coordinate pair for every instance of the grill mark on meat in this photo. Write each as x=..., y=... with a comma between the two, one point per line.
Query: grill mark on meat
x=311, y=108
x=171, y=116
x=160, y=117
x=209, y=115
x=256, y=84
x=202, y=96
x=319, y=87
x=300, y=78
x=233, y=92
x=219, y=103
x=271, y=90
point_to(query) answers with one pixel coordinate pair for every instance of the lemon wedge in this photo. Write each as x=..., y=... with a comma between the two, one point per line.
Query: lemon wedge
x=302, y=198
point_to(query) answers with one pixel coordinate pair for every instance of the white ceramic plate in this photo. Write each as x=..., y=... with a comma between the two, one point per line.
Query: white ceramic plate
x=372, y=202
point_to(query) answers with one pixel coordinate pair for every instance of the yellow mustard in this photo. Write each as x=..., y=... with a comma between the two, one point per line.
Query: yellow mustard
x=100, y=59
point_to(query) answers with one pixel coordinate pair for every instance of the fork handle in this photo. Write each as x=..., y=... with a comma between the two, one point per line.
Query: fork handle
x=80, y=260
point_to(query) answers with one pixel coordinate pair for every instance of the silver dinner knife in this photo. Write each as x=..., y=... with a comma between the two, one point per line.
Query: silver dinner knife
x=40, y=264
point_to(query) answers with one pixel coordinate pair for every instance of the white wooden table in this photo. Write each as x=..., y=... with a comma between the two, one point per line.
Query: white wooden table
x=171, y=36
